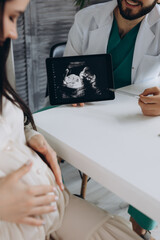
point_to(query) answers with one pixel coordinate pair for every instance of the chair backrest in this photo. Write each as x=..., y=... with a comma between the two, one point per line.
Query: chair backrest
x=57, y=50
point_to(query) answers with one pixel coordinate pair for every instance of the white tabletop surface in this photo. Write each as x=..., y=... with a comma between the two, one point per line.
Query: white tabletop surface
x=112, y=142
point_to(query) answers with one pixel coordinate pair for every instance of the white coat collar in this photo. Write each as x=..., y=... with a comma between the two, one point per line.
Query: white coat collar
x=154, y=16
x=104, y=12
x=144, y=38
x=100, y=27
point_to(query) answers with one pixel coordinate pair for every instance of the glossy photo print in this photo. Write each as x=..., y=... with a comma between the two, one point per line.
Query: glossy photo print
x=79, y=79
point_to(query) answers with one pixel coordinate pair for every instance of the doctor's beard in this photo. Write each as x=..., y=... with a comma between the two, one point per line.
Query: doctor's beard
x=127, y=13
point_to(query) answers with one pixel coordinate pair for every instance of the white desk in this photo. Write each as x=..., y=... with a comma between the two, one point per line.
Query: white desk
x=113, y=143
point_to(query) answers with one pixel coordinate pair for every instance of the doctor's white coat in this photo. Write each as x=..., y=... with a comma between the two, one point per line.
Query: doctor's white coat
x=90, y=33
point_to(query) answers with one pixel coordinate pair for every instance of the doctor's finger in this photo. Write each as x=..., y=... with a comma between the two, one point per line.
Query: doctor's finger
x=150, y=109
x=145, y=106
x=153, y=90
x=152, y=112
x=78, y=104
x=150, y=99
x=74, y=105
x=81, y=104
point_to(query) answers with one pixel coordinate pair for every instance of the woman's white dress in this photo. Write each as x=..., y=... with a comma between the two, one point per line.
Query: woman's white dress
x=74, y=219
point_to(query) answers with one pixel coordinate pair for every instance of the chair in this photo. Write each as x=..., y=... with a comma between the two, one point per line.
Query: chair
x=57, y=50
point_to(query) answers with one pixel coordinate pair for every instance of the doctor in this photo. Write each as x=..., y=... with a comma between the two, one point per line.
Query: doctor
x=130, y=32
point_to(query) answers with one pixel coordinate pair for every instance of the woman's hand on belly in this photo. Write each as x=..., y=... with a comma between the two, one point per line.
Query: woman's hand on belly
x=20, y=203
x=39, y=144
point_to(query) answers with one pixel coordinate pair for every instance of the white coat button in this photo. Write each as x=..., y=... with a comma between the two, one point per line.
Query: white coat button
x=39, y=170
x=9, y=147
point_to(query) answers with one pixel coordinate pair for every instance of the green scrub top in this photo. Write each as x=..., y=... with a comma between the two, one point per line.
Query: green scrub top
x=121, y=50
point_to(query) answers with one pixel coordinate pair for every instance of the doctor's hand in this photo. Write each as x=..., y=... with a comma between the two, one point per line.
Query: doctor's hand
x=149, y=101
x=39, y=144
x=78, y=104
x=20, y=203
